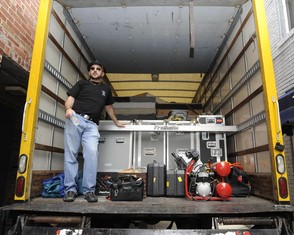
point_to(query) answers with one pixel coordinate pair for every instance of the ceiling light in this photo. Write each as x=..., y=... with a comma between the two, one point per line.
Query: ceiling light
x=155, y=77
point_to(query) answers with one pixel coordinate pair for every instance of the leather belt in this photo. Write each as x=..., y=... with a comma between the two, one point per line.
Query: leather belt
x=86, y=116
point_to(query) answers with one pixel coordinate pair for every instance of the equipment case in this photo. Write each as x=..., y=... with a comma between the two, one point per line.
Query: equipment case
x=115, y=148
x=156, y=179
x=149, y=146
x=179, y=142
x=212, y=146
x=175, y=183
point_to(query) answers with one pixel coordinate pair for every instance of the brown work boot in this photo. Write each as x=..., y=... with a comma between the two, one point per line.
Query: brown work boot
x=90, y=197
x=69, y=196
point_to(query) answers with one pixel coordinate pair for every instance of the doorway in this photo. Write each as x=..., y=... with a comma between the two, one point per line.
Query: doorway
x=12, y=102
x=8, y=145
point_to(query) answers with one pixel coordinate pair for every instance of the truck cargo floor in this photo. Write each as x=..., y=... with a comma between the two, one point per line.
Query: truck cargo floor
x=151, y=205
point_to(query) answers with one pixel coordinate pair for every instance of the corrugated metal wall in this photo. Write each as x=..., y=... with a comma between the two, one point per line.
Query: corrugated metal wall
x=238, y=77
x=65, y=62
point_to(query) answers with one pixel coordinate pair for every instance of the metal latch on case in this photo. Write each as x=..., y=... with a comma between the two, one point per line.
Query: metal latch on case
x=119, y=140
x=149, y=151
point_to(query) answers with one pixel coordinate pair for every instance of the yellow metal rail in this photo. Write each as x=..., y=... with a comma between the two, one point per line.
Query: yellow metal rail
x=33, y=95
x=270, y=94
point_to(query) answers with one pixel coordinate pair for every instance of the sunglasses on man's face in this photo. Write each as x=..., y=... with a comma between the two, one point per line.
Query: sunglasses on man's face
x=95, y=68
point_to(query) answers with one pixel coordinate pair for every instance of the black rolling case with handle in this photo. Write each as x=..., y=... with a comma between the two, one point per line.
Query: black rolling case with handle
x=156, y=179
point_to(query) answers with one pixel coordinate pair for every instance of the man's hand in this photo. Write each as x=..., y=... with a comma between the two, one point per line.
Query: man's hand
x=120, y=124
x=69, y=112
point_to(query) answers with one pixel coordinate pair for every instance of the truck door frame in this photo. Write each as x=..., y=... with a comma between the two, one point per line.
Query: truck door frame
x=270, y=98
x=30, y=113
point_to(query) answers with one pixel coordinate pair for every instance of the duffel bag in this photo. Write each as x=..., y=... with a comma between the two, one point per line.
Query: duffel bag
x=239, y=181
x=54, y=187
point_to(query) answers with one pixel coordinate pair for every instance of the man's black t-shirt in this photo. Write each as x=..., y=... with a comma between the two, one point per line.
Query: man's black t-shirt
x=90, y=98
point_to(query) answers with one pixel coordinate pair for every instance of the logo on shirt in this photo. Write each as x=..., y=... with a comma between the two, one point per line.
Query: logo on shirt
x=103, y=93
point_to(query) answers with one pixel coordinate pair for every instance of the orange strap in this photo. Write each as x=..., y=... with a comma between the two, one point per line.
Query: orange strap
x=237, y=164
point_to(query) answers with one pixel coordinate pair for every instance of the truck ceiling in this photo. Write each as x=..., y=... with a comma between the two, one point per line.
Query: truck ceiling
x=170, y=42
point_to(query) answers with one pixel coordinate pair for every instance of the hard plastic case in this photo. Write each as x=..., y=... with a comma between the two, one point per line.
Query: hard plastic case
x=156, y=179
x=175, y=183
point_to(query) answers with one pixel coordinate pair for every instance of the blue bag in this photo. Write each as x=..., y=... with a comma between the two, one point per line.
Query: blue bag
x=54, y=187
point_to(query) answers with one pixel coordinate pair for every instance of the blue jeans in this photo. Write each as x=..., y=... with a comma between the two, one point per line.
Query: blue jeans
x=86, y=133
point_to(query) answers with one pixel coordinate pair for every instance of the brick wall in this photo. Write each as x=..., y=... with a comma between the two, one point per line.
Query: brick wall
x=17, y=29
x=18, y=20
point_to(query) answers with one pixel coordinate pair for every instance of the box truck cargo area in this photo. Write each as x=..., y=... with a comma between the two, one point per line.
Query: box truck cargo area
x=188, y=77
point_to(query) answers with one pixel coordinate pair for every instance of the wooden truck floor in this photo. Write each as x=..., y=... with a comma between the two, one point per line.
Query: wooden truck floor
x=155, y=206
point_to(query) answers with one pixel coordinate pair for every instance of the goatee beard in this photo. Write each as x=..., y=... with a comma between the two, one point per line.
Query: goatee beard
x=96, y=80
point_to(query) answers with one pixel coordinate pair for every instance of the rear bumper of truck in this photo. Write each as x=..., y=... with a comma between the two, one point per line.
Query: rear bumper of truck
x=53, y=231
x=115, y=216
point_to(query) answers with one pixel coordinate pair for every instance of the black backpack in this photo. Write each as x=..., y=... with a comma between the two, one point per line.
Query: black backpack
x=239, y=181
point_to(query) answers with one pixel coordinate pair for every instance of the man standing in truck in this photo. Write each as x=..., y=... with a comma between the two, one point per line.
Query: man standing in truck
x=83, y=108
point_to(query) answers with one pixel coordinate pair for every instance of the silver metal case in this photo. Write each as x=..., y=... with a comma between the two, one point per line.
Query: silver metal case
x=179, y=142
x=149, y=145
x=115, y=148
